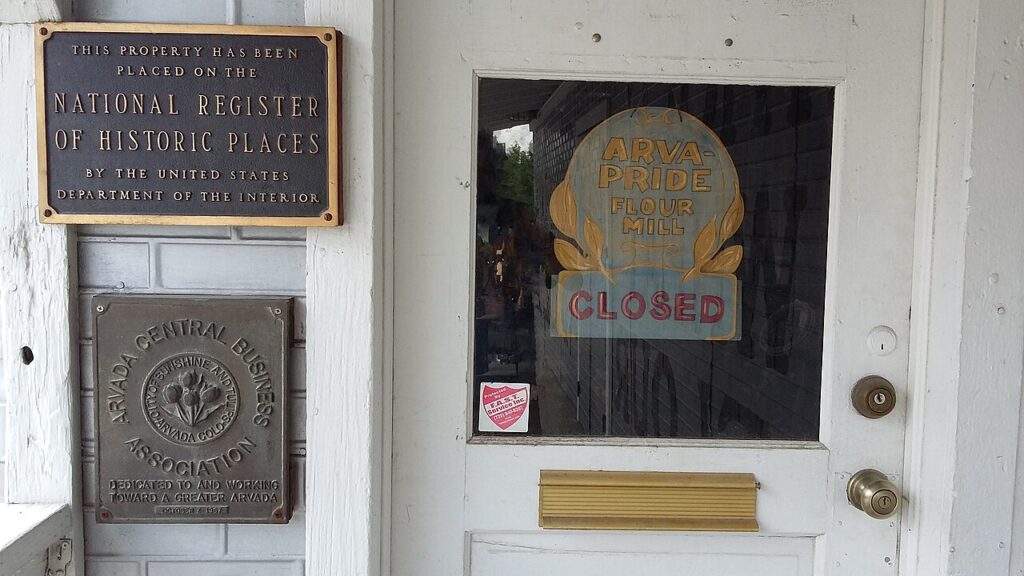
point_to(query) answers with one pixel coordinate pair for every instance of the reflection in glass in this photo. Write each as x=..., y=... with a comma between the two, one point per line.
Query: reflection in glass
x=765, y=383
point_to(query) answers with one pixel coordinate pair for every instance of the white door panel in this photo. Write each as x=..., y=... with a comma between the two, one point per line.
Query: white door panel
x=659, y=554
x=506, y=498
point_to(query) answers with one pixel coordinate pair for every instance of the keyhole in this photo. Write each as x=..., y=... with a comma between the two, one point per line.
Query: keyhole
x=879, y=398
x=884, y=501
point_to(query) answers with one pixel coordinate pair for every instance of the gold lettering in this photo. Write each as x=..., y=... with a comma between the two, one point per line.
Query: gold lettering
x=617, y=202
x=691, y=153
x=262, y=105
x=676, y=180
x=699, y=180
x=99, y=103
x=656, y=177
x=636, y=177
x=642, y=150
x=609, y=173
x=664, y=153
x=615, y=150
x=634, y=225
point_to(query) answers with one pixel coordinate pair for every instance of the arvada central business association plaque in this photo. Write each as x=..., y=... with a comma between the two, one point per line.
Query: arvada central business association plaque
x=190, y=407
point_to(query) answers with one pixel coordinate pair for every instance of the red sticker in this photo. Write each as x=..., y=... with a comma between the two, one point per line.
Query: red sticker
x=504, y=407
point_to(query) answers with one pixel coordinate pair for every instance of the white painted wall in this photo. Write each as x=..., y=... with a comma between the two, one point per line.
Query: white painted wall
x=348, y=427
x=271, y=12
x=36, y=303
x=194, y=260
x=3, y=424
x=30, y=11
x=965, y=476
x=343, y=286
x=989, y=476
x=191, y=260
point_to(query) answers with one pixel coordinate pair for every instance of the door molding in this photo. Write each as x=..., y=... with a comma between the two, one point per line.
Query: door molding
x=348, y=457
x=38, y=307
x=965, y=407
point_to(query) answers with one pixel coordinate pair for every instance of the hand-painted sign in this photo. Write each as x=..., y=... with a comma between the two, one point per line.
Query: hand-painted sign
x=648, y=202
x=504, y=407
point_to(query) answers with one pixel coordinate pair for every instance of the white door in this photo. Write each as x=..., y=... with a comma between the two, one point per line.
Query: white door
x=817, y=104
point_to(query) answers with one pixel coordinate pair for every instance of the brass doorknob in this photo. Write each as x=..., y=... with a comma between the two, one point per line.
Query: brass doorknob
x=869, y=490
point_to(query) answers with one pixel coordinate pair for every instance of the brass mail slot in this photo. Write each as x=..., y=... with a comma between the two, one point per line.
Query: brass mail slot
x=599, y=500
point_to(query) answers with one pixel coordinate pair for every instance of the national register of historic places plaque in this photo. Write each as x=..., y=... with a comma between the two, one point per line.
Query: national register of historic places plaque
x=168, y=124
x=190, y=409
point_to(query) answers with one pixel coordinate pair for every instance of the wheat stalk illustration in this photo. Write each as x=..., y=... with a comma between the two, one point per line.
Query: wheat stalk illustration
x=708, y=255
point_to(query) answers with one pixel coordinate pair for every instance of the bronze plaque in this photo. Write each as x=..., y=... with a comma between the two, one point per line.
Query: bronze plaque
x=190, y=408
x=166, y=124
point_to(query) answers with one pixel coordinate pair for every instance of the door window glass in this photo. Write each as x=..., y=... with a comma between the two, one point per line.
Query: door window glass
x=650, y=259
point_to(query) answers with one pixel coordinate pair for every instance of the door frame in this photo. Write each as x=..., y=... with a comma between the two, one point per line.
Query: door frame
x=964, y=415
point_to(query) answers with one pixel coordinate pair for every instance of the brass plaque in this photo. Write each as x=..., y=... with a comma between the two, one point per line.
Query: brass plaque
x=169, y=124
x=190, y=409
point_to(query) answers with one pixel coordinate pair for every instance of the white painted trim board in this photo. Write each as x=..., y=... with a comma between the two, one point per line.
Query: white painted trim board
x=38, y=277
x=344, y=266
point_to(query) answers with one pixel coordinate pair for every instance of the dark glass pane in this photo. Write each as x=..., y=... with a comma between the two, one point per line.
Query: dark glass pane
x=732, y=350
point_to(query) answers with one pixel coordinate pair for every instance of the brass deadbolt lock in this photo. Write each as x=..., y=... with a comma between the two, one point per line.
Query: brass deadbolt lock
x=873, y=396
x=869, y=490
